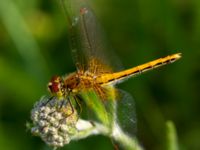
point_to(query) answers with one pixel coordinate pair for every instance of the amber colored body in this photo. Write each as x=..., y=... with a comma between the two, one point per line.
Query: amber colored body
x=78, y=81
x=92, y=72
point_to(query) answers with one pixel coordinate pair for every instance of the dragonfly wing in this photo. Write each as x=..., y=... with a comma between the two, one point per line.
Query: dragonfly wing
x=89, y=47
x=126, y=115
x=118, y=103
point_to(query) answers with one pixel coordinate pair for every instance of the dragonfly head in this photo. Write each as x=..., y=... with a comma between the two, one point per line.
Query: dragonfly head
x=56, y=87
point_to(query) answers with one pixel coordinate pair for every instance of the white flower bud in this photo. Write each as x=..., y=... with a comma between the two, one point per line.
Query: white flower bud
x=52, y=122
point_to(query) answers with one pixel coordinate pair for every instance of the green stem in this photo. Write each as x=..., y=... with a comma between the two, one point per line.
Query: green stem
x=87, y=128
x=129, y=143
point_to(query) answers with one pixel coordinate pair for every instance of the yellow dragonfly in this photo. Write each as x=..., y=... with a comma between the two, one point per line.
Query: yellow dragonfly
x=95, y=69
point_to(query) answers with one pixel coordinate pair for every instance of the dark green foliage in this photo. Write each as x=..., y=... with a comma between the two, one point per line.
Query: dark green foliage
x=34, y=46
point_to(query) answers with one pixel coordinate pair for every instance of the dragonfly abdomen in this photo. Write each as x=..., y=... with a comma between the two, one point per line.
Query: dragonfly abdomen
x=120, y=76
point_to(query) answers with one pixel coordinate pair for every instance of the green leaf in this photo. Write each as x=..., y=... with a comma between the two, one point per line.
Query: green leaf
x=172, y=142
x=27, y=46
x=97, y=106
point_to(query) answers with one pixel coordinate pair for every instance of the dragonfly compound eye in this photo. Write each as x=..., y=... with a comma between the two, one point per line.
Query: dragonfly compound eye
x=56, y=86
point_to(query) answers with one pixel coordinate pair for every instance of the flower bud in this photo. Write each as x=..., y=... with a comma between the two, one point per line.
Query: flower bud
x=54, y=120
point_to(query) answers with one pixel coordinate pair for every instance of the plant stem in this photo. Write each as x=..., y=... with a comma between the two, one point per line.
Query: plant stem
x=87, y=128
x=129, y=143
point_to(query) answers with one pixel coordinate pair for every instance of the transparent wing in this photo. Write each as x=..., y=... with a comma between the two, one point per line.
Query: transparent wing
x=105, y=111
x=89, y=47
x=126, y=113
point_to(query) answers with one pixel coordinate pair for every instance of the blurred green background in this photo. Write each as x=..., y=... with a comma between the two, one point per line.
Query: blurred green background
x=34, y=46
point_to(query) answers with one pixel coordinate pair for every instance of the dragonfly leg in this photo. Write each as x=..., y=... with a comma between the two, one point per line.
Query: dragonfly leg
x=48, y=101
x=72, y=108
x=79, y=105
x=62, y=104
x=65, y=108
x=116, y=147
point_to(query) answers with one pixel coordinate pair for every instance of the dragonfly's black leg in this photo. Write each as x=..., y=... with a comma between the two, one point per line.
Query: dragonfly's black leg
x=62, y=104
x=72, y=108
x=79, y=105
x=64, y=109
x=48, y=101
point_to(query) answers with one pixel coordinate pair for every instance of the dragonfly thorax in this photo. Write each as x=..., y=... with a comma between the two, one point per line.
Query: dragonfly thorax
x=76, y=82
x=72, y=82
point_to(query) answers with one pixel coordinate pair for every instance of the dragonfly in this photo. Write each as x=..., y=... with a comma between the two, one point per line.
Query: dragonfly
x=96, y=66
